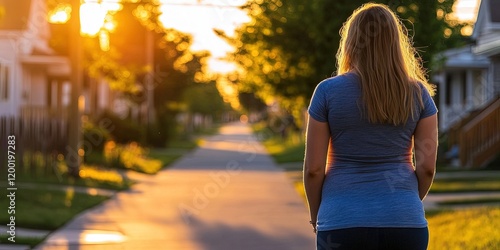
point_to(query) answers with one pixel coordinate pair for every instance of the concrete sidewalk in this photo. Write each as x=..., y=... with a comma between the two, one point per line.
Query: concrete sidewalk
x=227, y=194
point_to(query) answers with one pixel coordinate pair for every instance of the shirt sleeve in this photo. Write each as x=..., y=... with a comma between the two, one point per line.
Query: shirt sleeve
x=318, y=106
x=429, y=105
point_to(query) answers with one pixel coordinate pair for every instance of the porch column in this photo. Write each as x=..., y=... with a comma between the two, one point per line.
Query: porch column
x=442, y=100
x=484, y=86
x=469, y=90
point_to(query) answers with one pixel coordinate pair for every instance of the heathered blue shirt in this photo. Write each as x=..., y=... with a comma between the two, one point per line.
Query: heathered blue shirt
x=371, y=180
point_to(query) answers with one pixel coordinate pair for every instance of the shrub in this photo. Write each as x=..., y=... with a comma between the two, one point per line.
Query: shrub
x=157, y=135
x=123, y=130
x=95, y=136
x=130, y=156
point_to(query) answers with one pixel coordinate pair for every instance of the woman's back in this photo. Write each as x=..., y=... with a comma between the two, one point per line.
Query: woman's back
x=364, y=124
x=370, y=180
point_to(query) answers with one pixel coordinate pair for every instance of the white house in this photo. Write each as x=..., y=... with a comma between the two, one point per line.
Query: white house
x=32, y=77
x=469, y=90
x=34, y=80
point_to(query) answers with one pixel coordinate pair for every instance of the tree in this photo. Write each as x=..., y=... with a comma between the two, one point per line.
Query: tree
x=178, y=69
x=288, y=47
x=126, y=66
x=204, y=98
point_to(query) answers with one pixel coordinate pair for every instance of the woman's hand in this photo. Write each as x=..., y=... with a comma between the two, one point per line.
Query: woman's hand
x=313, y=224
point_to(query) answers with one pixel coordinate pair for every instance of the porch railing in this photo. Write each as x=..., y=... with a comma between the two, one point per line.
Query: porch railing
x=479, y=139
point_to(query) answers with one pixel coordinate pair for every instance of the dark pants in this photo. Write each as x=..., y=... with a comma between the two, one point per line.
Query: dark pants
x=368, y=238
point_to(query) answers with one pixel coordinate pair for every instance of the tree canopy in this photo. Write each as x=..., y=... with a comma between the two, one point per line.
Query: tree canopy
x=140, y=50
x=288, y=47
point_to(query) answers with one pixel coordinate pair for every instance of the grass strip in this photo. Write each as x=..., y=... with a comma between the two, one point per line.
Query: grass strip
x=90, y=176
x=472, y=228
x=47, y=209
x=283, y=150
x=21, y=240
x=464, y=185
x=167, y=156
x=471, y=201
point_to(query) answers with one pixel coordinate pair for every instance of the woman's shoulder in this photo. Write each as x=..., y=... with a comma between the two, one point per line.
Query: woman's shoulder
x=339, y=81
x=427, y=90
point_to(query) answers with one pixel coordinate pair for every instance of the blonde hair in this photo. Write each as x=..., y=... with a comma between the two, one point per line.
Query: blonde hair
x=374, y=44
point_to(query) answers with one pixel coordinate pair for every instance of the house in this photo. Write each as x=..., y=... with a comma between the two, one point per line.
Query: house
x=32, y=77
x=469, y=90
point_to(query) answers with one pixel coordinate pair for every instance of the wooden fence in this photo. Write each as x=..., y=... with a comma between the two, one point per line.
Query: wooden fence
x=40, y=140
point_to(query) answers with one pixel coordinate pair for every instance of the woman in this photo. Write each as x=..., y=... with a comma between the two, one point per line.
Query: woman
x=363, y=190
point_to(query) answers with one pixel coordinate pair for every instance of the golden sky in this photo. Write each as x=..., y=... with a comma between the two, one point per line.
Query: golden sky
x=200, y=17
x=200, y=21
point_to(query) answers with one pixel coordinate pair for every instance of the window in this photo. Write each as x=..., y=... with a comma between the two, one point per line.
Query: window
x=4, y=82
x=448, y=89
x=463, y=86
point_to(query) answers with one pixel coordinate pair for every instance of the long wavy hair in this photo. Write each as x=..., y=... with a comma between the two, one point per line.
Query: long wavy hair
x=375, y=45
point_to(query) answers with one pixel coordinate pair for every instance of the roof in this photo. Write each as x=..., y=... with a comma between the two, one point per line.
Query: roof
x=463, y=58
x=14, y=14
x=488, y=15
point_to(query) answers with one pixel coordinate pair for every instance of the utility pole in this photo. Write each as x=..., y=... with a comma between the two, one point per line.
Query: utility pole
x=150, y=84
x=74, y=152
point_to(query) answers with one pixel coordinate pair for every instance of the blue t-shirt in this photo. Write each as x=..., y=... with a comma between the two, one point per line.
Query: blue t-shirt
x=371, y=180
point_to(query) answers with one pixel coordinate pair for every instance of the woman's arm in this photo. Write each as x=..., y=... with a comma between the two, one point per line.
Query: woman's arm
x=425, y=141
x=317, y=140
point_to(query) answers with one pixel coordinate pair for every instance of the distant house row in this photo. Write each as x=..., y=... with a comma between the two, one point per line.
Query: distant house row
x=469, y=91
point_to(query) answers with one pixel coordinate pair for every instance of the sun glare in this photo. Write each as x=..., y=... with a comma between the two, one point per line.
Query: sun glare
x=186, y=16
x=466, y=10
x=221, y=66
x=200, y=21
x=60, y=14
x=92, y=17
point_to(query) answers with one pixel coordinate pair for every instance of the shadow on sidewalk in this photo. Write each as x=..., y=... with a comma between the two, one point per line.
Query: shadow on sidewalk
x=226, y=237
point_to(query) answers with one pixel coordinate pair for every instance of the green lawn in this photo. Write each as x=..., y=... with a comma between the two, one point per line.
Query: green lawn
x=283, y=150
x=168, y=155
x=47, y=209
x=90, y=176
x=466, y=185
x=30, y=241
x=481, y=200
x=473, y=228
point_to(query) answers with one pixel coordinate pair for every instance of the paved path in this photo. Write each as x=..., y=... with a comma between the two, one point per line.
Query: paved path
x=227, y=194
